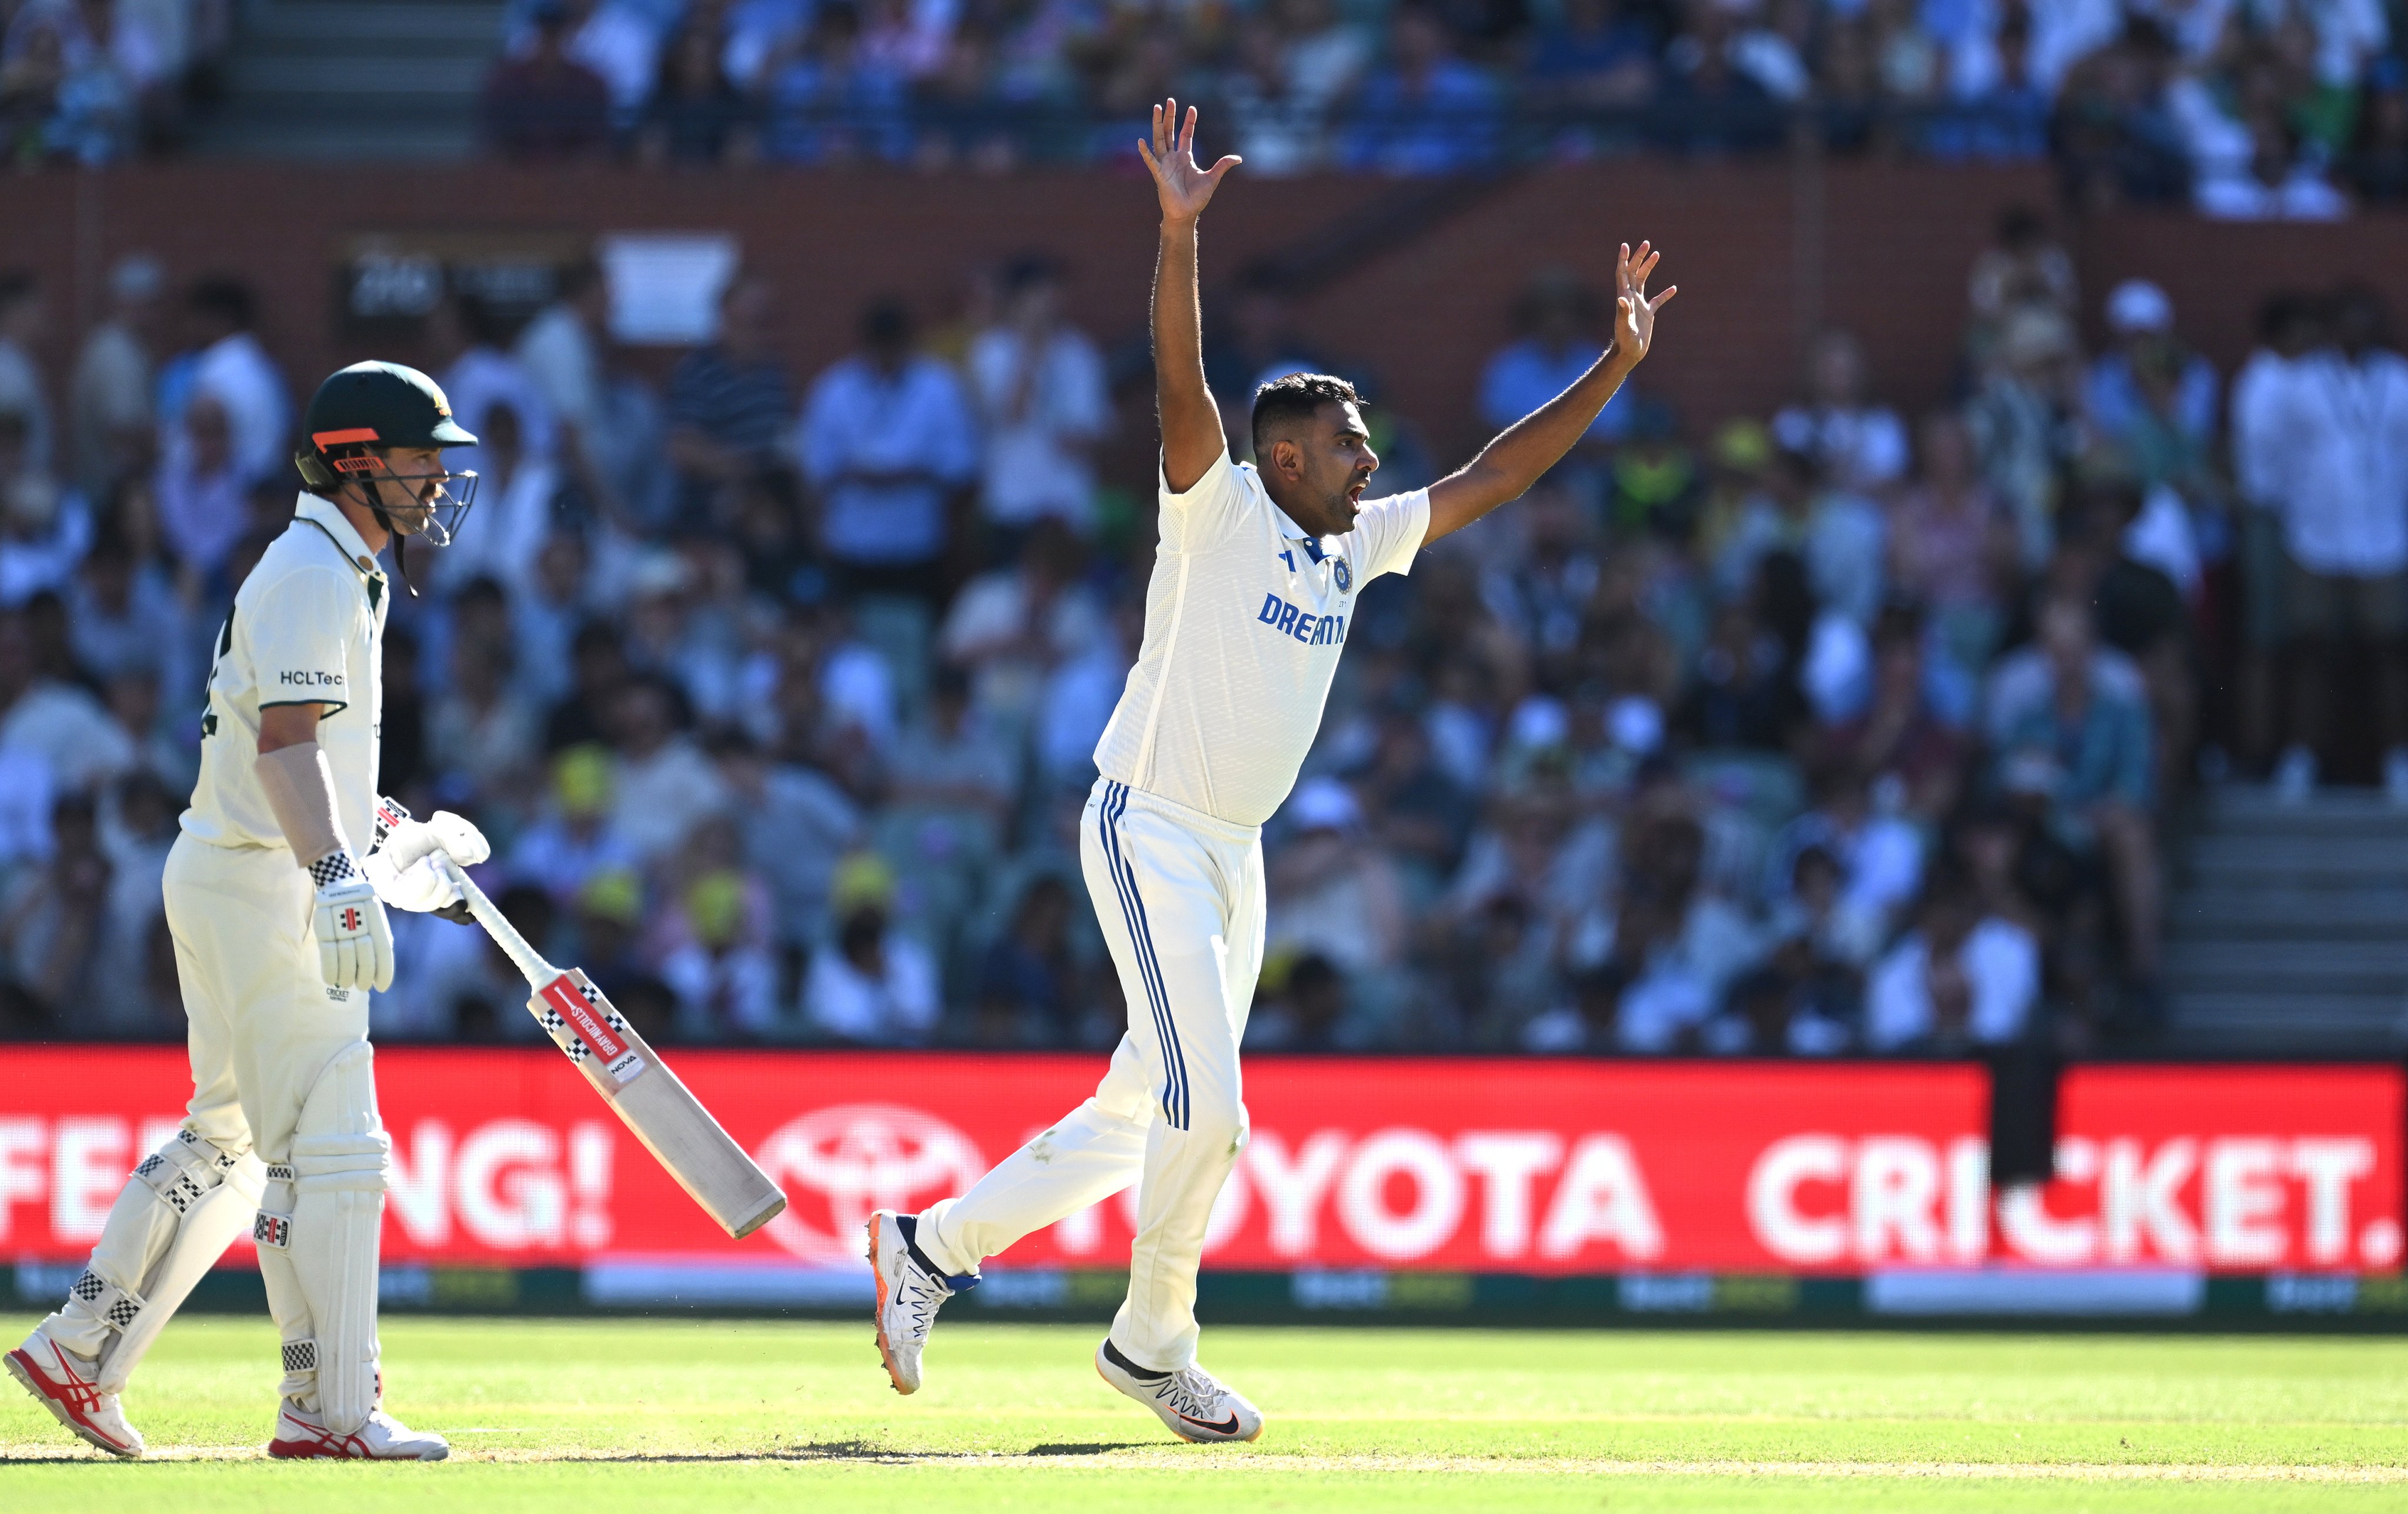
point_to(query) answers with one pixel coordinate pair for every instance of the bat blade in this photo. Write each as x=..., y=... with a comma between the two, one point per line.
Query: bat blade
x=655, y=1104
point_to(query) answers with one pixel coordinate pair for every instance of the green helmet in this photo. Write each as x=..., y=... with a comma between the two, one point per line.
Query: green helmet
x=363, y=411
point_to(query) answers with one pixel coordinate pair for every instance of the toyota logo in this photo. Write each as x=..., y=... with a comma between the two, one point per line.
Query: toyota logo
x=859, y=1157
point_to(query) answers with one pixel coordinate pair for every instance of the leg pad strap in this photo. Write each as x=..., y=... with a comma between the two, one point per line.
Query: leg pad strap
x=183, y=1171
x=92, y=1295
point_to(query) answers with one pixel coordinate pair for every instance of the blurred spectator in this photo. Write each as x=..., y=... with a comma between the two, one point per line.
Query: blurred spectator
x=1028, y=982
x=23, y=315
x=480, y=733
x=2024, y=267
x=724, y=979
x=954, y=772
x=478, y=373
x=544, y=103
x=610, y=40
x=1307, y=1008
x=1010, y=627
x=1593, y=54
x=2289, y=327
x=229, y=362
x=53, y=918
x=835, y=99
x=561, y=352
x=1961, y=979
x=729, y=402
x=575, y=840
x=1254, y=341
x=1039, y=384
x=1857, y=439
x=1900, y=738
x=137, y=825
x=2377, y=163
x=44, y=529
x=2151, y=397
x=664, y=786
x=1279, y=130
x=887, y=438
x=203, y=498
x=1879, y=854
x=1557, y=318
x=2070, y=723
x=2023, y=417
x=109, y=416
x=2278, y=181
x=2343, y=420
x=516, y=510
x=696, y=114
x=122, y=613
x=1712, y=102
x=797, y=826
x=1426, y=111
x=45, y=713
x=1335, y=893
x=871, y=984
x=1952, y=549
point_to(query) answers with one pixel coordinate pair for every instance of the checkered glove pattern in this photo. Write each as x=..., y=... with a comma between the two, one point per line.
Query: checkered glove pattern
x=354, y=939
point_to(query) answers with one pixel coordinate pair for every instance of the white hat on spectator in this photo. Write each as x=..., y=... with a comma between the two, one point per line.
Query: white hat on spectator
x=1324, y=804
x=2137, y=305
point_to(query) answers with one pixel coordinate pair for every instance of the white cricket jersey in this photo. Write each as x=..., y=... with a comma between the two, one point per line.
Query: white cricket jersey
x=307, y=627
x=1244, y=619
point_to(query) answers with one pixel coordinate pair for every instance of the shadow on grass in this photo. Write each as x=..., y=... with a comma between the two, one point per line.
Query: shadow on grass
x=859, y=1451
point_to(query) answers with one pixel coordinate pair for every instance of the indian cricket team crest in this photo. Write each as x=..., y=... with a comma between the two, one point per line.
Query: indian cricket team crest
x=1344, y=574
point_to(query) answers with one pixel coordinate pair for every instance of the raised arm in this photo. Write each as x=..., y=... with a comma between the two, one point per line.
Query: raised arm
x=1507, y=467
x=1191, y=423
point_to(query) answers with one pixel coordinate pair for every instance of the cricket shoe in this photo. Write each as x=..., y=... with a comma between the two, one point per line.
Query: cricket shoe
x=383, y=1438
x=68, y=1386
x=910, y=1289
x=1196, y=1405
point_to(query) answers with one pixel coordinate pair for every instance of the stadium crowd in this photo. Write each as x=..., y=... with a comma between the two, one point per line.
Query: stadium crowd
x=2250, y=108
x=2247, y=109
x=1831, y=730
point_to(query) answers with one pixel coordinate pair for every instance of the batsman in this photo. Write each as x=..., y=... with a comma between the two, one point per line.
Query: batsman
x=278, y=911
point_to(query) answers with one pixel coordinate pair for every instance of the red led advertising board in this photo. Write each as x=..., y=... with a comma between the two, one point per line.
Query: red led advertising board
x=505, y=1156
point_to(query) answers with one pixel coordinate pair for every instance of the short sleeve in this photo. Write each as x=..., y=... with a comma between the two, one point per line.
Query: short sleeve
x=300, y=632
x=1210, y=506
x=1391, y=530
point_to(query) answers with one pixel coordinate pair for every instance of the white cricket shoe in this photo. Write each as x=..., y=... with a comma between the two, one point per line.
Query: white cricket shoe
x=383, y=1438
x=910, y=1290
x=67, y=1385
x=1196, y=1405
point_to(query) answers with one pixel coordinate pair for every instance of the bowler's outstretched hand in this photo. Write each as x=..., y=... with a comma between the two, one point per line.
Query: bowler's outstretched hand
x=1170, y=157
x=1634, y=313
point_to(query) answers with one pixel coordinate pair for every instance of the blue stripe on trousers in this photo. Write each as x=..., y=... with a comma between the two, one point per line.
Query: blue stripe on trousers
x=1174, y=1093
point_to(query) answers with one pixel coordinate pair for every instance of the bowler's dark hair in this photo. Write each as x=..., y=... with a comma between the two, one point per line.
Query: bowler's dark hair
x=1296, y=397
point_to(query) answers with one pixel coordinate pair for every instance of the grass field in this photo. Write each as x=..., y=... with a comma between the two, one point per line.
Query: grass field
x=667, y=1416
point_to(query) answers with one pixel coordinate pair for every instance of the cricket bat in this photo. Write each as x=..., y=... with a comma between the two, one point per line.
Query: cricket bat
x=631, y=1077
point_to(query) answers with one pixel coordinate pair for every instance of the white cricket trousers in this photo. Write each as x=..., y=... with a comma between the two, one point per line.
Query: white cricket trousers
x=262, y=1029
x=1179, y=897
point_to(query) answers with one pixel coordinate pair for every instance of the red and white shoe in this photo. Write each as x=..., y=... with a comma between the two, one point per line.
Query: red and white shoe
x=65, y=1384
x=383, y=1438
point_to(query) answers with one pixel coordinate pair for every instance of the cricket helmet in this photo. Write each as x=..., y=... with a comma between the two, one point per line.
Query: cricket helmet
x=362, y=413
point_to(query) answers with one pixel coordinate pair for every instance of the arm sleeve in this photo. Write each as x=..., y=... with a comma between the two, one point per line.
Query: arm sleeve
x=298, y=634
x=1391, y=532
x=1210, y=504
x=300, y=789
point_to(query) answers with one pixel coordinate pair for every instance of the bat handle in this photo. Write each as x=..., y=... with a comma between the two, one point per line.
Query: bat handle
x=497, y=925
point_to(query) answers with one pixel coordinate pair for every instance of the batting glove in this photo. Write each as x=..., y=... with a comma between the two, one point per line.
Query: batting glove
x=404, y=867
x=354, y=939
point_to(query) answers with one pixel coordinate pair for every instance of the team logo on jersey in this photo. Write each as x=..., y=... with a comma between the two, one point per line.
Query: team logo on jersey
x=1344, y=574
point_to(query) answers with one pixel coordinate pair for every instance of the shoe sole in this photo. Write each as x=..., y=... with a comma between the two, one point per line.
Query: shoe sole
x=1191, y=1440
x=885, y=1349
x=15, y=1362
x=311, y=1450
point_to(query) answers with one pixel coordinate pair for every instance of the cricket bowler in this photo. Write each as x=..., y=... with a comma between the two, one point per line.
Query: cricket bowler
x=1254, y=589
x=278, y=920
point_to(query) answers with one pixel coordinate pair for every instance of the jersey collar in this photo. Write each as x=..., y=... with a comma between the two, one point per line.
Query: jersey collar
x=1293, y=532
x=324, y=515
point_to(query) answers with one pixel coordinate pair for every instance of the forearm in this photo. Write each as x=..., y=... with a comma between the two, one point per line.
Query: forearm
x=1521, y=453
x=1191, y=423
x=300, y=790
